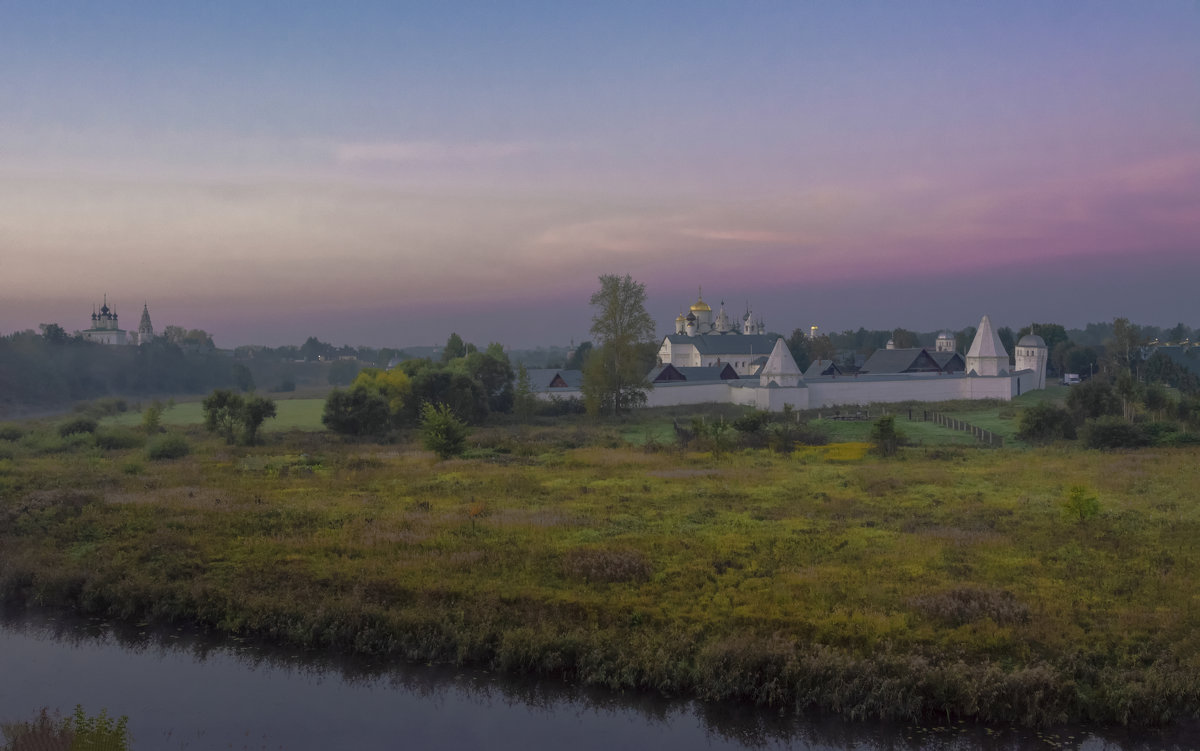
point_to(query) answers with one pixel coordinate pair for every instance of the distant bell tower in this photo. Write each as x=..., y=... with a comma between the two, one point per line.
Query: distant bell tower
x=145, y=328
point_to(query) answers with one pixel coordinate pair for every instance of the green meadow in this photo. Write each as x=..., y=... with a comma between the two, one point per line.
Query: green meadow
x=950, y=581
x=291, y=414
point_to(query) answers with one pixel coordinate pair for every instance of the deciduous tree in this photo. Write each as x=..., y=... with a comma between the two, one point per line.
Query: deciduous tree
x=614, y=379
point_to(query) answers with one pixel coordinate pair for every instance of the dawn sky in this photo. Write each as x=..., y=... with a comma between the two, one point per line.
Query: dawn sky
x=385, y=173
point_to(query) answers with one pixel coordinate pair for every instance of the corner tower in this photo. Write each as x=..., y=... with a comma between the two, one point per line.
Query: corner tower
x=987, y=356
x=1032, y=354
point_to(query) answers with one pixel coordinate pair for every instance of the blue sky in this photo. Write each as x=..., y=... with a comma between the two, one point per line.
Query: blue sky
x=385, y=173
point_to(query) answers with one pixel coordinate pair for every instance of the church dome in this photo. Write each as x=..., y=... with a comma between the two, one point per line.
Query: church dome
x=945, y=335
x=679, y=318
x=701, y=306
x=1032, y=340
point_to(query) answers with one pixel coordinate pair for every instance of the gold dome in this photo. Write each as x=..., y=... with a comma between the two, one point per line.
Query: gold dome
x=701, y=306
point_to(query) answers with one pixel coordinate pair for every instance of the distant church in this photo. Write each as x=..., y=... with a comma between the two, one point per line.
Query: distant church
x=105, y=328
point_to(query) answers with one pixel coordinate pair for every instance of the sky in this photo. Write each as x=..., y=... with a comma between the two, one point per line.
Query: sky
x=385, y=173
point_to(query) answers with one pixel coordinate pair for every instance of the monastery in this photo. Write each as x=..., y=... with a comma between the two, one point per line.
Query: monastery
x=710, y=360
x=105, y=328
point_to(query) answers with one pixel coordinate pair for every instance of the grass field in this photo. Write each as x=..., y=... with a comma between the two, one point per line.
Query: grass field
x=291, y=414
x=951, y=583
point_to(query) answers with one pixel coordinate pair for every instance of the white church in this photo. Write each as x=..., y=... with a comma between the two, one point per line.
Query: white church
x=709, y=360
x=105, y=328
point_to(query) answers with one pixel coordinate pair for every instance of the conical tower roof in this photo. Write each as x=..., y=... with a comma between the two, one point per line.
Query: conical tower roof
x=987, y=342
x=781, y=362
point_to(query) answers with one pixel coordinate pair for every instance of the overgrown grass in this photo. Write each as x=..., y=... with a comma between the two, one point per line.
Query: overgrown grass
x=946, y=582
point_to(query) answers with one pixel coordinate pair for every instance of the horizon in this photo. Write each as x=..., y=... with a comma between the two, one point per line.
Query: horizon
x=384, y=176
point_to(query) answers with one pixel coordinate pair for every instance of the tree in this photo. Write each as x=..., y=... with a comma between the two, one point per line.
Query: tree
x=360, y=411
x=243, y=377
x=494, y=373
x=222, y=413
x=54, y=334
x=227, y=414
x=314, y=349
x=821, y=348
x=454, y=348
x=342, y=372
x=256, y=410
x=442, y=432
x=1008, y=340
x=614, y=378
x=578, y=357
x=797, y=344
x=904, y=339
x=1091, y=399
x=524, y=402
x=1044, y=423
x=1123, y=347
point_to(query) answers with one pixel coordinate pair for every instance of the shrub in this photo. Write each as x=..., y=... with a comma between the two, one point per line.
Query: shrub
x=118, y=438
x=10, y=431
x=77, y=425
x=358, y=411
x=442, y=432
x=286, y=384
x=1044, y=423
x=1112, y=432
x=152, y=418
x=1081, y=504
x=885, y=437
x=170, y=446
x=80, y=731
x=606, y=566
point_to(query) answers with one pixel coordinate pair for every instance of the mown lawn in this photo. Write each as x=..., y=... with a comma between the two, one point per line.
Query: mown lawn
x=939, y=583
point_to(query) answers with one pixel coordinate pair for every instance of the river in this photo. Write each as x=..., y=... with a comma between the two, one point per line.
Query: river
x=185, y=690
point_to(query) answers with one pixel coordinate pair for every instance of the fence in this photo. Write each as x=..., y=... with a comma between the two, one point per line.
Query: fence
x=984, y=436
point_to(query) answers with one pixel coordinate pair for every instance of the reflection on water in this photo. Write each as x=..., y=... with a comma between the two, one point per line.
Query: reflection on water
x=189, y=690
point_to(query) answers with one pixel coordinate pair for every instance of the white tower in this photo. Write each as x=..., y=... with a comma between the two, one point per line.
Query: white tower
x=1031, y=354
x=987, y=356
x=781, y=368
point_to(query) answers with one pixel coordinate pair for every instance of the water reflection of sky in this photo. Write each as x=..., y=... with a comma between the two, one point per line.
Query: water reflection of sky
x=182, y=691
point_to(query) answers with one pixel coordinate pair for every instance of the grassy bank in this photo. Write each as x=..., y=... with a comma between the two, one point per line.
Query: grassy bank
x=949, y=582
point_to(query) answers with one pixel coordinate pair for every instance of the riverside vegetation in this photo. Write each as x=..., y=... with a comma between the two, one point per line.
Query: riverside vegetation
x=947, y=581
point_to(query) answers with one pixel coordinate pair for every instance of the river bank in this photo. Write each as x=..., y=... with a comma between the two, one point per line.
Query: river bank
x=947, y=585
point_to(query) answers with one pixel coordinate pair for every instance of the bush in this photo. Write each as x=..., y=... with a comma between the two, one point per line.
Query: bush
x=10, y=431
x=1044, y=423
x=1113, y=433
x=886, y=438
x=360, y=411
x=77, y=425
x=1081, y=504
x=118, y=438
x=442, y=432
x=152, y=418
x=169, y=446
x=79, y=731
x=286, y=384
